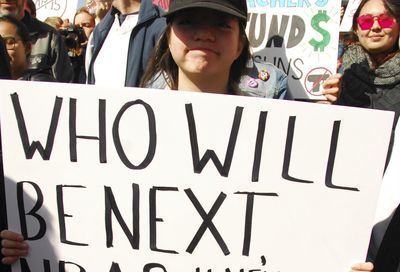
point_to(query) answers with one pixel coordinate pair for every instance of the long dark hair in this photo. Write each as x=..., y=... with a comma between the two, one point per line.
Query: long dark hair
x=393, y=6
x=163, y=63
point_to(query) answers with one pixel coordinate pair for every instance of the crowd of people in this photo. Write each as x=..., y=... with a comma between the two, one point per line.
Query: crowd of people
x=186, y=48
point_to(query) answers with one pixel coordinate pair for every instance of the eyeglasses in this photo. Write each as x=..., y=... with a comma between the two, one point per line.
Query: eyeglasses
x=10, y=42
x=367, y=21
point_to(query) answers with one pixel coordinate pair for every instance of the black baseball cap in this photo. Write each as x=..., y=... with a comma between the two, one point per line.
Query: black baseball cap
x=237, y=8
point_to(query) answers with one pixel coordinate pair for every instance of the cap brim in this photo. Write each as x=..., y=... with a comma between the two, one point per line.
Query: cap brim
x=208, y=5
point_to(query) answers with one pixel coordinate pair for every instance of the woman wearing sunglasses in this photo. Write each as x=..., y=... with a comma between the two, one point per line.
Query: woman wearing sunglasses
x=371, y=62
x=371, y=79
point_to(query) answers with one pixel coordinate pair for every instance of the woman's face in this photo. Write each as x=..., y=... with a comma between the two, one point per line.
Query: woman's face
x=16, y=49
x=377, y=39
x=205, y=41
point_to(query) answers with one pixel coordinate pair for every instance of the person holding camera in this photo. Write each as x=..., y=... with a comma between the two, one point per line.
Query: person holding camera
x=84, y=19
x=76, y=38
x=48, y=50
x=18, y=47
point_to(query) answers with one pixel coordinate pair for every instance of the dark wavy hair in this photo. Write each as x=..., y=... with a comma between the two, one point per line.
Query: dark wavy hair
x=163, y=63
x=393, y=6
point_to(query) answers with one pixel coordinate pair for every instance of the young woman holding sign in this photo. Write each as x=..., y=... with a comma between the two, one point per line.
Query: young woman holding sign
x=372, y=80
x=371, y=62
x=205, y=49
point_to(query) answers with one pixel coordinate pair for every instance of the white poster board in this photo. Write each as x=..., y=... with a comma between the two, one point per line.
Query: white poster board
x=299, y=37
x=347, y=20
x=62, y=8
x=389, y=197
x=122, y=181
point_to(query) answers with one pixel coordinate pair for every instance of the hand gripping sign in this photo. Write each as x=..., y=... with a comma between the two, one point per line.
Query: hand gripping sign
x=146, y=180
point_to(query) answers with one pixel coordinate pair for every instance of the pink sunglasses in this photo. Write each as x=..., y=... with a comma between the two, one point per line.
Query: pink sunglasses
x=367, y=21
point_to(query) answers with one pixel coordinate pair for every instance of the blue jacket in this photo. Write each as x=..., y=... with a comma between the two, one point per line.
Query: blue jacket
x=273, y=85
x=252, y=83
x=143, y=38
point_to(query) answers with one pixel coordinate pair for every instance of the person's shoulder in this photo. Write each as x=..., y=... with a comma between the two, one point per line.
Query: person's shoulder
x=147, y=6
x=157, y=82
x=262, y=79
x=261, y=65
x=41, y=26
x=151, y=20
x=151, y=12
x=35, y=25
x=97, y=33
x=158, y=25
x=38, y=75
x=105, y=24
x=108, y=18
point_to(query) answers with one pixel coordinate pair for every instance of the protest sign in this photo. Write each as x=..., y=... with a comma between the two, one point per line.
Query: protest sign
x=299, y=37
x=156, y=180
x=389, y=197
x=347, y=20
x=62, y=8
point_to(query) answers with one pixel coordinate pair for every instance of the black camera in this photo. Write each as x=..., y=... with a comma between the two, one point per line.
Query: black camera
x=73, y=37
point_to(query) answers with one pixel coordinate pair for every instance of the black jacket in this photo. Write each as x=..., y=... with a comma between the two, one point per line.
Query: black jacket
x=384, y=246
x=48, y=50
x=38, y=75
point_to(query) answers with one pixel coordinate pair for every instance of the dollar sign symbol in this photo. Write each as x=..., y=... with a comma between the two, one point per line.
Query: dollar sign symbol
x=320, y=17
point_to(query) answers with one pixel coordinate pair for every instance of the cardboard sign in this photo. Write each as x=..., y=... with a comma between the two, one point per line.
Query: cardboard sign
x=299, y=37
x=62, y=8
x=128, y=179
